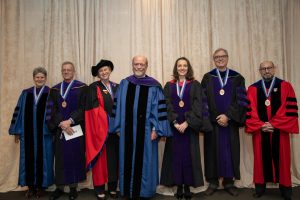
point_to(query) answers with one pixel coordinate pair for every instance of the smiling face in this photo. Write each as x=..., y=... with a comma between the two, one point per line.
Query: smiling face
x=267, y=70
x=139, y=66
x=104, y=73
x=221, y=59
x=39, y=80
x=182, y=68
x=68, y=72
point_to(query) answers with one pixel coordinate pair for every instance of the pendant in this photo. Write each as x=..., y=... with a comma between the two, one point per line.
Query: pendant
x=267, y=102
x=181, y=104
x=64, y=104
x=222, y=92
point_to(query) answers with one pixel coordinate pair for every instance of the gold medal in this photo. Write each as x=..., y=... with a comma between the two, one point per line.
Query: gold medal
x=222, y=92
x=181, y=104
x=64, y=104
x=267, y=102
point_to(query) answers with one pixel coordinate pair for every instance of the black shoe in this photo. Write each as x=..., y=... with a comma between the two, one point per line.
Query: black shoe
x=39, y=193
x=179, y=193
x=113, y=194
x=30, y=193
x=73, y=193
x=210, y=191
x=56, y=194
x=257, y=195
x=232, y=191
x=101, y=196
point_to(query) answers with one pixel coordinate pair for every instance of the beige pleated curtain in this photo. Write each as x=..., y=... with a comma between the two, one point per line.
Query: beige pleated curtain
x=47, y=32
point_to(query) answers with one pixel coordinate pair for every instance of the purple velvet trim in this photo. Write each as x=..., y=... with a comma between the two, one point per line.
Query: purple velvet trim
x=147, y=81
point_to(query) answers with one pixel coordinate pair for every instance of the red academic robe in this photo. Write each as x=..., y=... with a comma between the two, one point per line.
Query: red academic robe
x=96, y=124
x=272, y=155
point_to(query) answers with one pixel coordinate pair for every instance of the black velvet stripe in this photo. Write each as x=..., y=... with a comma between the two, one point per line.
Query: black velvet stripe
x=276, y=103
x=140, y=140
x=113, y=115
x=115, y=99
x=17, y=109
x=15, y=115
x=40, y=125
x=291, y=99
x=160, y=110
x=295, y=107
x=291, y=114
x=265, y=137
x=114, y=107
x=162, y=118
x=128, y=137
x=161, y=102
x=13, y=121
x=29, y=142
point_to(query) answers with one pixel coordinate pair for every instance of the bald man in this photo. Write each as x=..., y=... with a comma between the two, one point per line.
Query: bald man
x=139, y=116
x=272, y=114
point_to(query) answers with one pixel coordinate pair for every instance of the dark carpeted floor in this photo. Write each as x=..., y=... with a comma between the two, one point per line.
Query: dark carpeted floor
x=244, y=194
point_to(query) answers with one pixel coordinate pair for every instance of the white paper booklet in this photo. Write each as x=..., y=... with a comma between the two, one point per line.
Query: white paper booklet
x=77, y=133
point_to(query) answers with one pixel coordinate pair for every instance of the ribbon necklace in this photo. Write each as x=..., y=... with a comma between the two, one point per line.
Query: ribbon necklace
x=37, y=97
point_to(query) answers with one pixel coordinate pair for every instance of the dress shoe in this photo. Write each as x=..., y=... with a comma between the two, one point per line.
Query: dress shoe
x=232, y=191
x=30, y=193
x=39, y=193
x=210, y=191
x=56, y=194
x=113, y=194
x=101, y=196
x=257, y=195
x=73, y=193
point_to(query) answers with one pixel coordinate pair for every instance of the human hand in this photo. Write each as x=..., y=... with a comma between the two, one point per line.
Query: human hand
x=69, y=131
x=222, y=120
x=182, y=127
x=153, y=135
x=65, y=124
x=17, y=138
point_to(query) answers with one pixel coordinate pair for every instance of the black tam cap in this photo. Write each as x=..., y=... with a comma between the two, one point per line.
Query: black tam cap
x=101, y=64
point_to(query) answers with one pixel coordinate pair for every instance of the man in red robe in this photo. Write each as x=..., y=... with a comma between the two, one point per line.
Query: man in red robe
x=272, y=114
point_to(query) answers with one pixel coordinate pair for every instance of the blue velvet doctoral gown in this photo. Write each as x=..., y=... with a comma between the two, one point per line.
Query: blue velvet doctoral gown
x=36, y=152
x=139, y=108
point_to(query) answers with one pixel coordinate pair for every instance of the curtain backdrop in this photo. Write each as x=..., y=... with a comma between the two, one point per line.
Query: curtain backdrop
x=47, y=32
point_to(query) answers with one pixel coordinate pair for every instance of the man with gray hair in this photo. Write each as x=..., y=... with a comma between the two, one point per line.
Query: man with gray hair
x=227, y=102
x=139, y=116
x=66, y=103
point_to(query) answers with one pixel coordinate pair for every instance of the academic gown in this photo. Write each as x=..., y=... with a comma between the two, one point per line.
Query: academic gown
x=69, y=155
x=102, y=149
x=139, y=108
x=272, y=156
x=36, y=153
x=181, y=160
x=222, y=145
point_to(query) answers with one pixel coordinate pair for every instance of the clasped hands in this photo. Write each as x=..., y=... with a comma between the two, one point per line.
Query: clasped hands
x=267, y=127
x=181, y=127
x=222, y=120
x=66, y=126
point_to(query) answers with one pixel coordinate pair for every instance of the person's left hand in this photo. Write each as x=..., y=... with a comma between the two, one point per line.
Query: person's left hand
x=69, y=131
x=65, y=124
x=222, y=120
x=182, y=127
x=153, y=135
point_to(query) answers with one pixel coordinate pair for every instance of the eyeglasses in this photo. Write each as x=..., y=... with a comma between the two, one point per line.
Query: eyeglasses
x=263, y=69
x=137, y=64
x=220, y=57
